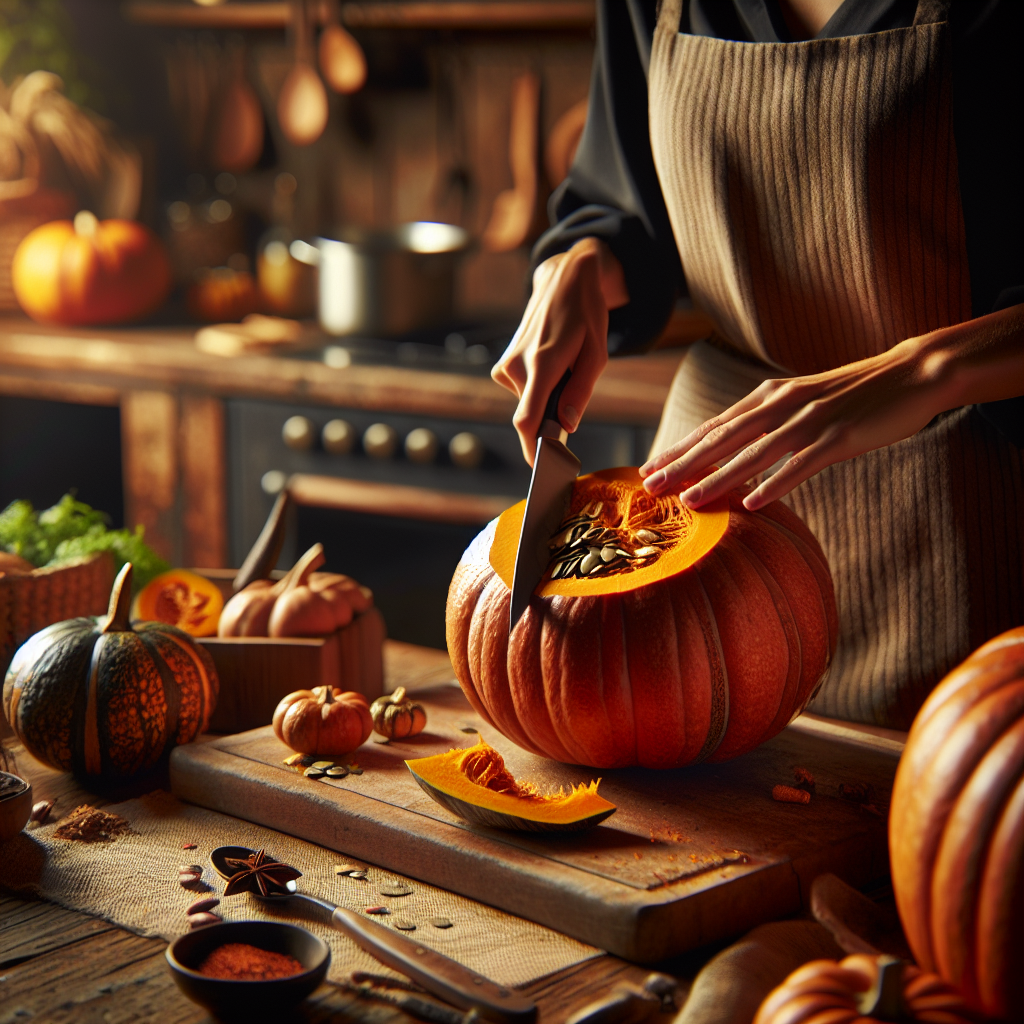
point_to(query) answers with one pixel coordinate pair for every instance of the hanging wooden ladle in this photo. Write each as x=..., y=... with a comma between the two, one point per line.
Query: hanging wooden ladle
x=342, y=61
x=302, y=103
x=237, y=132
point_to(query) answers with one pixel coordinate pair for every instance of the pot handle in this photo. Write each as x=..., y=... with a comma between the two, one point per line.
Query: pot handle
x=304, y=252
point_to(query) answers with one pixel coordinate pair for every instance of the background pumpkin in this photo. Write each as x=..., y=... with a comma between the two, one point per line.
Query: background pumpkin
x=701, y=656
x=323, y=721
x=956, y=829
x=90, y=271
x=859, y=990
x=94, y=696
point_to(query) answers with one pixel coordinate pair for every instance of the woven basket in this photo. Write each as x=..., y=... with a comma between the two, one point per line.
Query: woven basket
x=17, y=218
x=32, y=600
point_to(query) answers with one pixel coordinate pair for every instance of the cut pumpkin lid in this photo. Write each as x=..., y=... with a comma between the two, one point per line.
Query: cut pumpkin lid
x=615, y=538
x=473, y=783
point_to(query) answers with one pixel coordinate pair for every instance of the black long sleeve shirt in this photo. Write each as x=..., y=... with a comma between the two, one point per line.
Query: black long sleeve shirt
x=612, y=191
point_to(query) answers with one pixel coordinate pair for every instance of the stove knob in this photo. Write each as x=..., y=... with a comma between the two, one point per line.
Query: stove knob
x=466, y=450
x=338, y=437
x=299, y=433
x=421, y=445
x=380, y=441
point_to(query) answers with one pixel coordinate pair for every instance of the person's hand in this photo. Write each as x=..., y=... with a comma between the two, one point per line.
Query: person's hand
x=831, y=416
x=565, y=326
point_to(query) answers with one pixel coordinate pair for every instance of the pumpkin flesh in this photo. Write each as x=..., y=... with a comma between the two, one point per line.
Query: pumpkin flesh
x=183, y=599
x=700, y=653
x=473, y=783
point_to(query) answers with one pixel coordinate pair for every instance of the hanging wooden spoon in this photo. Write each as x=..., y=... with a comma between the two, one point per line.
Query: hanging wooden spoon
x=237, y=136
x=302, y=102
x=342, y=61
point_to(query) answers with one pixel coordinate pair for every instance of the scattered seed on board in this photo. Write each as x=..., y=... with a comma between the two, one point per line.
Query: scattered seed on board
x=406, y=926
x=314, y=773
x=395, y=890
x=440, y=922
x=323, y=765
x=344, y=869
x=354, y=769
x=359, y=875
x=337, y=772
x=377, y=910
x=200, y=920
x=469, y=728
x=202, y=906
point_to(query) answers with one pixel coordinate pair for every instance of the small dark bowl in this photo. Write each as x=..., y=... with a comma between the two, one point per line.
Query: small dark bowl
x=230, y=999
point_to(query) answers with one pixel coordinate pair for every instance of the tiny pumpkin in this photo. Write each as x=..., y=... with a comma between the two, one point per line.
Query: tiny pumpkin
x=222, y=294
x=862, y=989
x=323, y=721
x=99, y=697
x=89, y=271
x=396, y=717
x=183, y=599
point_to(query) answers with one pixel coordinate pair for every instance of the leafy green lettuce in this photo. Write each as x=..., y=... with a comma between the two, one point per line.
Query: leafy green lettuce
x=71, y=529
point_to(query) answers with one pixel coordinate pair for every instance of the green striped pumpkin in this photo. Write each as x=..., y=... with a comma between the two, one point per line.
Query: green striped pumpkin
x=97, y=697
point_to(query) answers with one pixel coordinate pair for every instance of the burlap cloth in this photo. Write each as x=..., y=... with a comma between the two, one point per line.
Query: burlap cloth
x=133, y=882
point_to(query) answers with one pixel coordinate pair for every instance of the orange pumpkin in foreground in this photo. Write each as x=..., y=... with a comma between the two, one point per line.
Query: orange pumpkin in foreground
x=679, y=636
x=861, y=990
x=323, y=721
x=90, y=271
x=956, y=829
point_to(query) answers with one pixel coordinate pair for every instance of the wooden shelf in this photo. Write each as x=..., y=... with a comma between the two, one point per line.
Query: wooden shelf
x=479, y=15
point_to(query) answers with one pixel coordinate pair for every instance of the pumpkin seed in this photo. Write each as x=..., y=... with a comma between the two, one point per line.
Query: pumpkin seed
x=395, y=890
x=344, y=869
x=406, y=926
x=440, y=922
x=337, y=772
x=622, y=554
x=202, y=906
x=359, y=875
x=608, y=553
x=200, y=920
x=313, y=773
x=469, y=728
x=590, y=562
x=354, y=769
x=645, y=552
x=647, y=536
x=324, y=765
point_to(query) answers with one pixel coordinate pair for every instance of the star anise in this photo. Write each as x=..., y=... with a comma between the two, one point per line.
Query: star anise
x=259, y=875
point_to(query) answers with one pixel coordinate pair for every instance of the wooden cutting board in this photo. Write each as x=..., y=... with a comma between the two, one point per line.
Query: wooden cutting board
x=691, y=855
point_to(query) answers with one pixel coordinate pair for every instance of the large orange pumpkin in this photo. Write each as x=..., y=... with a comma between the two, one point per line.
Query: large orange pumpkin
x=90, y=271
x=675, y=636
x=97, y=697
x=956, y=829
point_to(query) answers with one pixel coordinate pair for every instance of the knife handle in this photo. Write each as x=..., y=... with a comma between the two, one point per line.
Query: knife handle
x=435, y=972
x=551, y=425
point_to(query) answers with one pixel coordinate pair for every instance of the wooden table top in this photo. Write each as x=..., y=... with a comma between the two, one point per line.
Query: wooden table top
x=96, y=365
x=63, y=966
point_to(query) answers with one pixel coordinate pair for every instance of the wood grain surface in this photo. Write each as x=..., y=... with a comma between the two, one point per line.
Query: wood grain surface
x=691, y=856
x=65, y=967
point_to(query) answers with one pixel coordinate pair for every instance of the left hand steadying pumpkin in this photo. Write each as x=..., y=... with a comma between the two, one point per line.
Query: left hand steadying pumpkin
x=828, y=417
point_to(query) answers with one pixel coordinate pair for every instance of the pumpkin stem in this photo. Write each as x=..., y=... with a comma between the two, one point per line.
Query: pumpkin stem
x=263, y=554
x=329, y=695
x=884, y=1000
x=299, y=573
x=398, y=696
x=117, y=620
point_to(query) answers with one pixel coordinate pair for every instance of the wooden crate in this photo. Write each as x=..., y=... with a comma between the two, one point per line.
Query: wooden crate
x=256, y=672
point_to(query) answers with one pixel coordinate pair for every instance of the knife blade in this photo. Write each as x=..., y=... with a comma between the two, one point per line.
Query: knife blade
x=554, y=469
x=439, y=975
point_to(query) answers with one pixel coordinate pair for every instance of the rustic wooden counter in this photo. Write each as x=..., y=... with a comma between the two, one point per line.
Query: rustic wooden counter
x=62, y=966
x=171, y=398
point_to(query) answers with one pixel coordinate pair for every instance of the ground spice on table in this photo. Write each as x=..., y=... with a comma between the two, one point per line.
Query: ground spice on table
x=87, y=824
x=238, y=961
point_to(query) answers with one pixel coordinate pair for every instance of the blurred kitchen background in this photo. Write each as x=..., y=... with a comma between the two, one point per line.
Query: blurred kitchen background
x=340, y=188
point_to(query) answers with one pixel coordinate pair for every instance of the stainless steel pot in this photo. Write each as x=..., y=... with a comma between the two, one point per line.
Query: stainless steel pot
x=383, y=283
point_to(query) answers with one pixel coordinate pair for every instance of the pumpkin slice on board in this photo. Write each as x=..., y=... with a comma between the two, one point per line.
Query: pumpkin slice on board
x=474, y=784
x=658, y=636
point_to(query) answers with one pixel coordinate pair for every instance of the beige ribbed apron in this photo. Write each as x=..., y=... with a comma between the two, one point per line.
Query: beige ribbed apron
x=812, y=189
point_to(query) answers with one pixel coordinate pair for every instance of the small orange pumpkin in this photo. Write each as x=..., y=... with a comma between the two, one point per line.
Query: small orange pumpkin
x=859, y=990
x=323, y=721
x=956, y=829
x=183, y=599
x=222, y=295
x=397, y=717
x=90, y=271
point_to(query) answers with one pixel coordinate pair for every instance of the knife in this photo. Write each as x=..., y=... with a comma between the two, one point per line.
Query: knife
x=438, y=974
x=554, y=469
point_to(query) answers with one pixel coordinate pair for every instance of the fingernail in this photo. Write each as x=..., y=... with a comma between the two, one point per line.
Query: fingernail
x=692, y=496
x=572, y=417
x=655, y=480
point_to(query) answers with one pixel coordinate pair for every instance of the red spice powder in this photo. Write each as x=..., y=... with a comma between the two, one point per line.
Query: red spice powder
x=238, y=961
